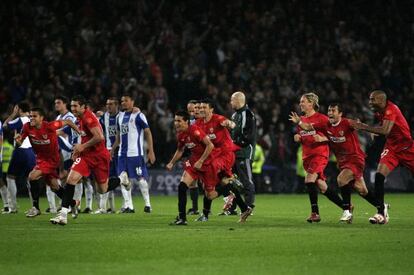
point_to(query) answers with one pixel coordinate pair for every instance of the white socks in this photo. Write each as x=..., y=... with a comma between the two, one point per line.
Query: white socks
x=143, y=186
x=127, y=197
x=103, y=200
x=51, y=198
x=111, y=197
x=88, y=193
x=12, y=192
x=77, y=196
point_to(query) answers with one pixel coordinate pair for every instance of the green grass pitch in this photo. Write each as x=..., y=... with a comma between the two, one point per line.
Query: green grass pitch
x=275, y=240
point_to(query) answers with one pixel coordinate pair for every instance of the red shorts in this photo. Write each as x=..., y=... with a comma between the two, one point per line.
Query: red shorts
x=49, y=170
x=316, y=165
x=224, y=162
x=208, y=175
x=356, y=165
x=95, y=163
x=393, y=159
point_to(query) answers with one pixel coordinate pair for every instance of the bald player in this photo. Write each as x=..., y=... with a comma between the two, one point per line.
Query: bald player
x=243, y=133
x=398, y=148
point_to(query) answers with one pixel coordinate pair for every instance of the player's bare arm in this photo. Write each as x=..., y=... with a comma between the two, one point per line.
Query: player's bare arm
x=177, y=155
x=295, y=118
x=384, y=129
x=97, y=136
x=71, y=125
x=148, y=138
x=116, y=144
x=206, y=153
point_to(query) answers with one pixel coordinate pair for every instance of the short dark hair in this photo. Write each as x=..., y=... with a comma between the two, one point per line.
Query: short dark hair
x=62, y=98
x=128, y=95
x=38, y=110
x=24, y=106
x=81, y=99
x=336, y=104
x=208, y=101
x=114, y=99
x=183, y=114
x=193, y=101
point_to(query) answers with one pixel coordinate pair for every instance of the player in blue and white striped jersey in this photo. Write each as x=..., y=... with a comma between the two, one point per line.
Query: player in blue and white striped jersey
x=23, y=158
x=131, y=129
x=108, y=123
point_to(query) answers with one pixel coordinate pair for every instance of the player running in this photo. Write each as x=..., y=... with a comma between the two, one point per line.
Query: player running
x=398, y=148
x=200, y=166
x=315, y=154
x=43, y=137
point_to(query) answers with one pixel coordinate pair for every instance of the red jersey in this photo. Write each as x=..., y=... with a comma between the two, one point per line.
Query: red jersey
x=399, y=137
x=310, y=147
x=87, y=122
x=343, y=140
x=44, y=140
x=218, y=134
x=193, y=140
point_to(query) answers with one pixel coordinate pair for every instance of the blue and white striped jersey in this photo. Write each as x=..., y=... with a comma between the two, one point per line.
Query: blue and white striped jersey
x=108, y=124
x=131, y=130
x=66, y=143
x=17, y=125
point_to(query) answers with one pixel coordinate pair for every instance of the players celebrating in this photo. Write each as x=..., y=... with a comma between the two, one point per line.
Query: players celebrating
x=43, y=137
x=315, y=154
x=398, y=148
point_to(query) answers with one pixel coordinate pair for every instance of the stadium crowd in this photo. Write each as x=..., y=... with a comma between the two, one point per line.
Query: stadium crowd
x=165, y=53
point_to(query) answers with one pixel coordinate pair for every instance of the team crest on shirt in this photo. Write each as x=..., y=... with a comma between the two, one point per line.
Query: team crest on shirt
x=341, y=133
x=211, y=130
x=44, y=136
x=131, y=120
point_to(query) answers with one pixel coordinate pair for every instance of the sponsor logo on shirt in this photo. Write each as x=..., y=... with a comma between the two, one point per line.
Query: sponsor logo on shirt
x=124, y=129
x=304, y=133
x=40, y=142
x=337, y=139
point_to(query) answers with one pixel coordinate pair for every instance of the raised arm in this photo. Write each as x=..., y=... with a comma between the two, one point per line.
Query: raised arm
x=384, y=129
x=295, y=118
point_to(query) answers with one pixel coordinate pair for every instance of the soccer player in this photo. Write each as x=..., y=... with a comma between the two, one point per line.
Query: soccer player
x=200, y=166
x=215, y=126
x=23, y=158
x=90, y=156
x=244, y=135
x=132, y=127
x=398, y=148
x=343, y=141
x=315, y=154
x=108, y=123
x=43, y=137
x=193, y=110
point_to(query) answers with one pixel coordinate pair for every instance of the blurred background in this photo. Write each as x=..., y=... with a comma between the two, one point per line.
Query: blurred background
x=167, y=52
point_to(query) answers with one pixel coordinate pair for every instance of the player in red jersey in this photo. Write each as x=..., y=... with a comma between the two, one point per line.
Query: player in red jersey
x=44, y=140
x=343, y=141
x=398, y=148
x=90, y=156
x=216, y=127
x=315, y=154
x=200, y=166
